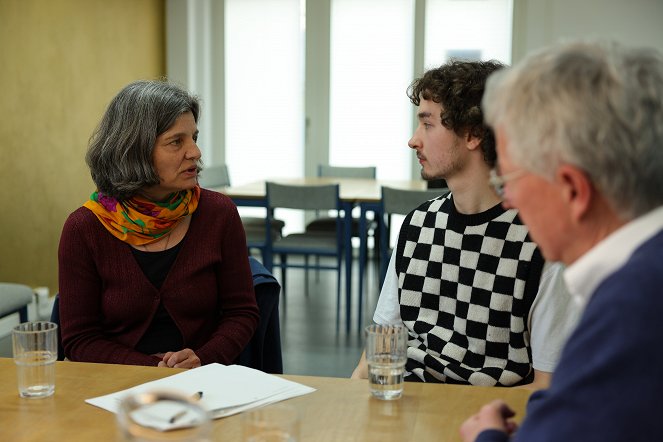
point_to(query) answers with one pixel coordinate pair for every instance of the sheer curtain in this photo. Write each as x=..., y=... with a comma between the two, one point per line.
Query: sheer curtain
x=264, y=89
x=371, y=67
x=264, y=59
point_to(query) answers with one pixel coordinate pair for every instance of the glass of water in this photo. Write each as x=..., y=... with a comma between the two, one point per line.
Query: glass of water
x=163, y=415
x=386, y=354
x=35, y=350
x=273, y=423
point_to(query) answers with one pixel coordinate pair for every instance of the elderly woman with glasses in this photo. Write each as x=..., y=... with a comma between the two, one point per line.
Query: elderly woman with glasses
x=153, y=270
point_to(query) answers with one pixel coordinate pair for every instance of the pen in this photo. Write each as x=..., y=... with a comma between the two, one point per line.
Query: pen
x=196, y=396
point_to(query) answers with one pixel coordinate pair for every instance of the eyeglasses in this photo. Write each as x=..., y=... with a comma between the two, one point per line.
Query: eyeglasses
x=498, y=181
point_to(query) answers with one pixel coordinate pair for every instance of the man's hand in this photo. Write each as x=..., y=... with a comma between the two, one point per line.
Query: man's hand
x=180, y=359
x=493, y=416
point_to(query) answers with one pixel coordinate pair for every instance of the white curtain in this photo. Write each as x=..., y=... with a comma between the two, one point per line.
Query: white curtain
x=371, y=67
x=264, y=89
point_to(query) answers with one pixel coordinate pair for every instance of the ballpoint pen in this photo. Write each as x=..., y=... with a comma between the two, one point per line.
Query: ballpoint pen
x=196, y=396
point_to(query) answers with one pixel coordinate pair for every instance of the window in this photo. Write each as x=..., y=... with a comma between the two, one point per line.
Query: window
x=264, y=89
x=468, y=29
x=371, y=68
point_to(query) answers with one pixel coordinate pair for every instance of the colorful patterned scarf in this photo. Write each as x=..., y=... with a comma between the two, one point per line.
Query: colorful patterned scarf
x=139, y=221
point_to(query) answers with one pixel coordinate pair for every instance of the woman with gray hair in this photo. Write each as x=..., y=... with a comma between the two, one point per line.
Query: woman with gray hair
x=153, y=270
x=580, y=152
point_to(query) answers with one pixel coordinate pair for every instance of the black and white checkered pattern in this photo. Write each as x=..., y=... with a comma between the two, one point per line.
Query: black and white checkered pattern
x=466, y=284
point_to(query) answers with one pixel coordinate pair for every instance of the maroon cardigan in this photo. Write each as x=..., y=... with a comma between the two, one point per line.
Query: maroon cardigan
x=107, y=302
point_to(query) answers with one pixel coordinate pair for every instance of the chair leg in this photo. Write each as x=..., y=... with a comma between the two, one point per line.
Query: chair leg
x=284, y=262
x=23, y=313
x=338, y=295
x=306, y=267
x=263, y=254
x=360, y=297
x=363, y=257
x=376, y=241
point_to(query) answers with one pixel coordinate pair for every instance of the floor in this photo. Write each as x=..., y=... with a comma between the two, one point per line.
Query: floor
x=311, y=344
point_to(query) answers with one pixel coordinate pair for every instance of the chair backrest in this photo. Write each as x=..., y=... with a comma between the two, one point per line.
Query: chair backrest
x=14, y=298
x=302, y=197
x=325, y=170
x=55, y=318
x=214, y=176
x=264, y=350
x=401, y=202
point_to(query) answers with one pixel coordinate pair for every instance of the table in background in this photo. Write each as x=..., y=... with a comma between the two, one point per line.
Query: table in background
x=362, y=192
x=340, y=410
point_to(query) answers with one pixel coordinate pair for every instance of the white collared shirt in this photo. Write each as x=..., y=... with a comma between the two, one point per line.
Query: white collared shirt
x=584, y=276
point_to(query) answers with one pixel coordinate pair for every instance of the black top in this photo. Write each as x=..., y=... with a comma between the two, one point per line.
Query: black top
x=162, y=335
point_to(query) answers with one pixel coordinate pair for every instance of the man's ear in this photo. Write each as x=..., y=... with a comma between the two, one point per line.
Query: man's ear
x=576, y=190
x=471, y=141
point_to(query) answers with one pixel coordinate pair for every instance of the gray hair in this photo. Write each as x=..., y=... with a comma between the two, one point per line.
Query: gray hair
x=120, y=150
x=597, y=106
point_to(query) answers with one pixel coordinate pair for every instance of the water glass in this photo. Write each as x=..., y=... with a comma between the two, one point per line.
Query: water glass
x=163, y=415
x=386, y=354
x=274, y=423
x=35, y=350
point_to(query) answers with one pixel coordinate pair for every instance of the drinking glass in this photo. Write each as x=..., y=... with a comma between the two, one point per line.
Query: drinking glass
x=163, y=416
x=386, y=354
x=274, y=423
x=35, y=350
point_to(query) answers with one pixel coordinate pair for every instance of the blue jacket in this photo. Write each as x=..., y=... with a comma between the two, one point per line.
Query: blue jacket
x=608, y=385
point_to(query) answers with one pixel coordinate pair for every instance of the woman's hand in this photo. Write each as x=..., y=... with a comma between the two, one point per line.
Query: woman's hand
x=180, y=359
x=493, y=416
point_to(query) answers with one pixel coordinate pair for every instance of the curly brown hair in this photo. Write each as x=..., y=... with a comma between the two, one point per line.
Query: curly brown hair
x=458, y=86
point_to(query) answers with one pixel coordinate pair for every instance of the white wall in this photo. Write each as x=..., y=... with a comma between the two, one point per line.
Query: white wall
x=539, y=23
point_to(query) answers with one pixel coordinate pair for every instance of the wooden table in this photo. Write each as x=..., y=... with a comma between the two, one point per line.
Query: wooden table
x=340, y=410
x=362, y=192
x=351, y=189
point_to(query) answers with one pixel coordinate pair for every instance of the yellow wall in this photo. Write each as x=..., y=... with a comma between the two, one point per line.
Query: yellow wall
x=62, y=62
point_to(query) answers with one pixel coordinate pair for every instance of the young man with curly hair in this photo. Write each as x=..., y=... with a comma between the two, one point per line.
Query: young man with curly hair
x=480, y=304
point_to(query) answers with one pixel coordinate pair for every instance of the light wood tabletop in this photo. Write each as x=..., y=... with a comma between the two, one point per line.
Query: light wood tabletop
x=340, y=410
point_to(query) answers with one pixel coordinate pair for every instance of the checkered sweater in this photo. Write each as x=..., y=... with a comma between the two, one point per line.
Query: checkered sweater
x=466, y=285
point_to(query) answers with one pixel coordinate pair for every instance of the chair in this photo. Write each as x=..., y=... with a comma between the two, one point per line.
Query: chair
x=399, y=202
x=254, y=227
x=55, y=318
x=14, y=298
x=306, y=198
x=263, y=351
x=327, y=224
x=214, y=176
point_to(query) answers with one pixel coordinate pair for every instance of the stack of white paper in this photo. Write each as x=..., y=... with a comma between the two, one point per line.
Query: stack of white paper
x=227, y=390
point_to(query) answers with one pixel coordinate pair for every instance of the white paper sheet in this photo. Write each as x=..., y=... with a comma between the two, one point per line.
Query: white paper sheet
x=227, y=390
